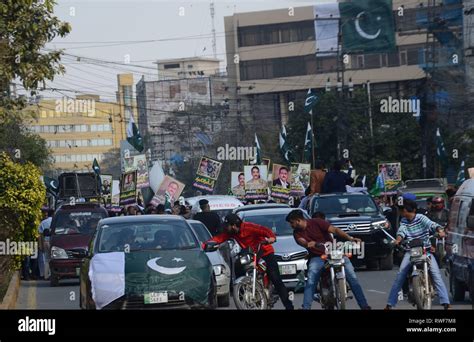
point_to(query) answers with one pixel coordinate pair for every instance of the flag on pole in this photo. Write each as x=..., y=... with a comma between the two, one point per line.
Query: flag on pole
x=308, y=144
x=461, y=175
x=96, y=167
x=440, y=149
x=379, y=185
x=284, y=146
x=133, y=135
x=258, y=154
x=310, y=101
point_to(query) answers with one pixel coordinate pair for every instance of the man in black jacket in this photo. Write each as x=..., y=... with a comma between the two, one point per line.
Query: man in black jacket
x=336, y=180
x=210, y=219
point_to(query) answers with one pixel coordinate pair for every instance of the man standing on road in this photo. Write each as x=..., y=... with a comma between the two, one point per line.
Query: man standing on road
x=249, y=234
x=43, y=244
x=313, y=234
x=210, y=219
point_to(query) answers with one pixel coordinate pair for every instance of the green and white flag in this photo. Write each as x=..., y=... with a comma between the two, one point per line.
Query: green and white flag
x=461, y=175
x=96, y=167
x=284, y=146
x=258, y=152
x=133, y=135
x=367, y=26
x=145, y=272
x=308, y=145
x=310, y=101
x=440, y=149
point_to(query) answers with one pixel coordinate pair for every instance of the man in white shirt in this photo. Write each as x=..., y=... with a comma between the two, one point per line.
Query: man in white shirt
x=43, y=244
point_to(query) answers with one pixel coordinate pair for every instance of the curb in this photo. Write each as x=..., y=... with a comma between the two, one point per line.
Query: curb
x=11, y=296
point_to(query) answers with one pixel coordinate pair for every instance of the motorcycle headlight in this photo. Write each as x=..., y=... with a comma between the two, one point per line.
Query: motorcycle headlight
x=218, y=269
x=336, y=254
x=381, y=225
x=416, y=252
x=245, y=259
x=58, y=253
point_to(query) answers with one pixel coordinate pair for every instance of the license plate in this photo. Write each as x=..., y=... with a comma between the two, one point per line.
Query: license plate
x=288, y=269
x=78, y=271
x=156, y=297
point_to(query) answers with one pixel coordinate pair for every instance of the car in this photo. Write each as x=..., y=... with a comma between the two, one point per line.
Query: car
x=460, y=243
x=357, y=214
x=146, y=262
x=260, y=206
x=71, y=229
x=221, y=267
x=424, y=189
x=220, y=204
x=290, y=256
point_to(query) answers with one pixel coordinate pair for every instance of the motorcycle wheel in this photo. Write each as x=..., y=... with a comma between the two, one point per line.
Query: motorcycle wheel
x=242, y=293
x=422, y=301
x=341, y=294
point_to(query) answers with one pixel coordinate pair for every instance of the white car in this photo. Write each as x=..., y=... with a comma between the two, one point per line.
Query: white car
x=220, y=204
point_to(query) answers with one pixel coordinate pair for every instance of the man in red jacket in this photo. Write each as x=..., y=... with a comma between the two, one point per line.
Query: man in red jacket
x=249, y=234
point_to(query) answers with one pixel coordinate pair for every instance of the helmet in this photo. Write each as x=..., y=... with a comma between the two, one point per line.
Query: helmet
x=438, y=202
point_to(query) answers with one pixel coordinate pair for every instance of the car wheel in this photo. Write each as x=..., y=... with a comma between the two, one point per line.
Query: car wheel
x=53, y=280
x=386, y=263
x=372, y=264
x=457, y=288
x=212, y=300
x=223, y=301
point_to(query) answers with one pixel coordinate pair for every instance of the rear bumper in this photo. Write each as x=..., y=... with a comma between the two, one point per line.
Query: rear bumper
x=65, y=268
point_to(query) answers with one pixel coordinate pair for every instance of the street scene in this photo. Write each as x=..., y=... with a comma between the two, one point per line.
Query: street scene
x=237, y=155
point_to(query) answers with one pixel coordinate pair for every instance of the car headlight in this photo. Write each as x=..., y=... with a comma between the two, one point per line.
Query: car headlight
x=245, y=259
x=58, y=253
x=218, y=269
x=381, y=225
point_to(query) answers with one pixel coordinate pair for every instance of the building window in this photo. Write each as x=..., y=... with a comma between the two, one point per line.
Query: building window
x=171, y=66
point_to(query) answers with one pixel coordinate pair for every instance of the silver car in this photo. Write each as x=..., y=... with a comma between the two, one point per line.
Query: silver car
x=222, y=270
x=291, y=257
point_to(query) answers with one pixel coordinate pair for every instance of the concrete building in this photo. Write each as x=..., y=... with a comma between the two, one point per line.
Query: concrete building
x=167, y=107
x=79, y=129
x=272, y=59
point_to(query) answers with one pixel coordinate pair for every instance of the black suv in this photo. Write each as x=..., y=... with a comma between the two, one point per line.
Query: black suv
x=359, y=216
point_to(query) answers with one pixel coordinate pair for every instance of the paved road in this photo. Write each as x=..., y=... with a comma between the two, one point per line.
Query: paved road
x=376, y=284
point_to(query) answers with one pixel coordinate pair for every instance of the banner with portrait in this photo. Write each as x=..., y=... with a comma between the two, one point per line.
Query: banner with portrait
x=106, y=184
x=168, y=192
x=128, y=188
x=207, y=174
x=237, y=184
x=300, y=179
x=140, y=164
x=256, y=184
x=392, y=173
x=281, y=182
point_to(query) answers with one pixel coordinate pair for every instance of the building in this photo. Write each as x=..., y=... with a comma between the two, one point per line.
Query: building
x=177, y=68
x=79, y=129
x=277, y=60
x=167, y=107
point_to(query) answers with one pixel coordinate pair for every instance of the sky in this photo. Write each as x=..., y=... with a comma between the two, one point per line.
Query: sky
x=114, y=30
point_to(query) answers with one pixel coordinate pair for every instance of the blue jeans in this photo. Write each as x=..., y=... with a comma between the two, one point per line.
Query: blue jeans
x=405, y=268
x=315, y=268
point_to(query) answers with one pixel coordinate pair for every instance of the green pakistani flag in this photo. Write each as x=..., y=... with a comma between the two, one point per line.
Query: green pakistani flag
x=51, y=184
x=308, y=145
x=258, y=154
x=440, y=150
x=310, y=101
x=461, y=175
x=367, y=26
x=96, y=167
x=133, y=135
x=284, y=146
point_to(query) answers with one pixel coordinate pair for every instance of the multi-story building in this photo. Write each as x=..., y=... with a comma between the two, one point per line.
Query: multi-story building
x=272, y=58
x=79, y=129
x=167, y=107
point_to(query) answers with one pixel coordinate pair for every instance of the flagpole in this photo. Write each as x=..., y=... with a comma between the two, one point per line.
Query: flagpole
x=313, y=150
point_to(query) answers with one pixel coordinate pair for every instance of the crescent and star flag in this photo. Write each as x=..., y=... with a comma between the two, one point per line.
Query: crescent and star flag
x=308, y=144
x=133, y=135
x=310, y=101
x=284, y=147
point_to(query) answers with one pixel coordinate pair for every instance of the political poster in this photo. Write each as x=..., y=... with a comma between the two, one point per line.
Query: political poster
x=392, y=175
x=300, y=178
x=237, y=183
x=128, y=188
x=207, y=174
x=256, y=184
x=140, y=164
x=168, y=192
x=281, y=181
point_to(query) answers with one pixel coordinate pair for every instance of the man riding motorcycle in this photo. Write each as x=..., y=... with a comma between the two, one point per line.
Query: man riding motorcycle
x=416, y=226
x=249, y=234
x=438, y=213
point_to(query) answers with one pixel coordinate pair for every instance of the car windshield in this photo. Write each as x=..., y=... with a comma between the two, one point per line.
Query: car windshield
x=162, y=235
x=76, y=222
x=276, y=222
x=361, y=204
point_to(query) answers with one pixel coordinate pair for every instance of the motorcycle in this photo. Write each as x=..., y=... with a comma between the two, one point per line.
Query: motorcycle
x=420, y=285
x=253, y=290
x=332, y=287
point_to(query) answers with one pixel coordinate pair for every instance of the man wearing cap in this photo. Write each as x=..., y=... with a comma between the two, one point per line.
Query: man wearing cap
x=210, y=219
x=251, y=235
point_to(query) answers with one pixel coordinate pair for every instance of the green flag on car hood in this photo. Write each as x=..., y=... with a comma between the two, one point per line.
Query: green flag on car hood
x=137, y=273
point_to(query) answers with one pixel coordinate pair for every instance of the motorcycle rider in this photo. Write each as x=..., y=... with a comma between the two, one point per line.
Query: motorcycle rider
x=249, y=234
x=416, y=226
x=311, y=234
x=438, y=213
